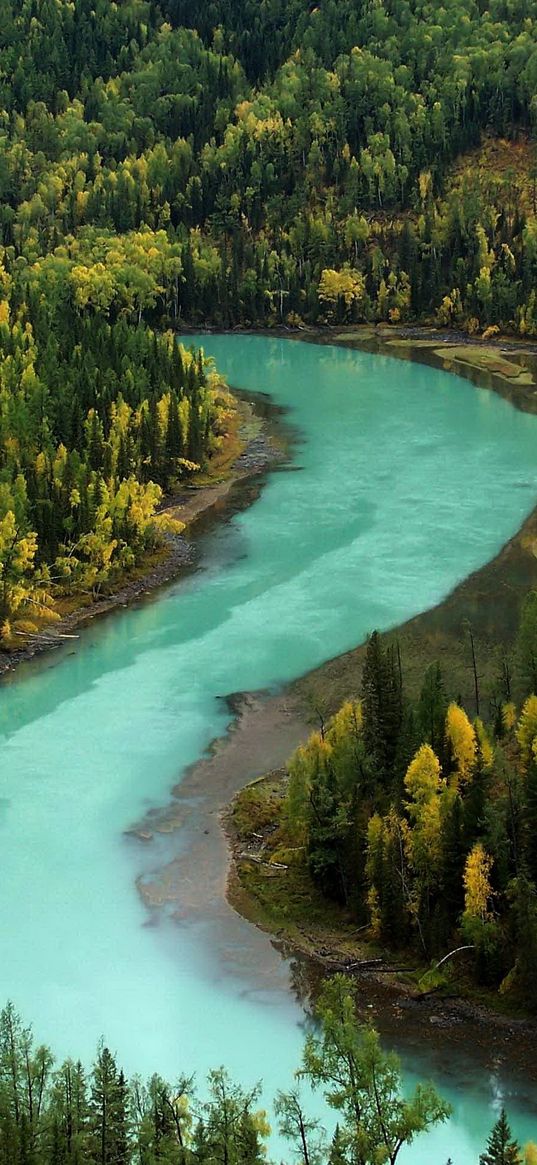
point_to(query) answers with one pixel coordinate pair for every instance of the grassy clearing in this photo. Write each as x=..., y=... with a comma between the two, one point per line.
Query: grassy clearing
x=271, y=885
x=486, y=360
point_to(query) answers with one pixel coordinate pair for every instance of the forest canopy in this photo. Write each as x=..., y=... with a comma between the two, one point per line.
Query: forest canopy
x=289, y=152
x=420, y=821
x=164, y=164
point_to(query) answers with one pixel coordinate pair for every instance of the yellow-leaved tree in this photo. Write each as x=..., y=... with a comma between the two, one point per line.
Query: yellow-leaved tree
x=424, y=784
x=478, y=893
x=345, y=739
x=341, y=290
x=508, y=716
x=462, y=741
x=483, y=744
x=422, y=780
x=527, y=728
x=23, y=591
x=304, y=766
x=390, y=899
x=374, y=871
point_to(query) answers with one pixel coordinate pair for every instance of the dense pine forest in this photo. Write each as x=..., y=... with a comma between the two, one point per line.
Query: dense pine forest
x=164, y=164
x=422, y=821
x=301, y=161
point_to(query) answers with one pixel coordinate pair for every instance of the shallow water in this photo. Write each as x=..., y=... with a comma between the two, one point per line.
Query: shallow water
x=409, y=479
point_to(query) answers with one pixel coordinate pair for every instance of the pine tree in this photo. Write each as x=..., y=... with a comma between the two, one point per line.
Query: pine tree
x=338, y=1148
x=109, y=1124
x=501, y=1149
x=432, y=708
x=177, y=370
x=173, y=439
x=475, y=800
x=527, y=644
x=453, y=859
x=382, y=707
x=327, y=829
x=522, y=894
x=393, y=908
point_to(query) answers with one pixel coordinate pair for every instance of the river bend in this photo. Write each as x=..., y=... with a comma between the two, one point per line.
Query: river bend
x=405, y=480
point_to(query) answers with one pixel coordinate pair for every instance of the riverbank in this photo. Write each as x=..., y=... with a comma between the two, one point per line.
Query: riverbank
x=489, y=600
x=256, y=738
x=277, y=895
x=252, y=447
x=506, y=364
x=280, y=898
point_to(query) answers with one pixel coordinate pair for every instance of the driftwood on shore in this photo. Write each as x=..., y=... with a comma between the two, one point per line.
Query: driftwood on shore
x=260, y=861
x=47, y=636
x=347, y=965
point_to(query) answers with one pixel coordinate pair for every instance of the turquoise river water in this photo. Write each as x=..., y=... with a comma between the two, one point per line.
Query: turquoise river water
x=408, y=479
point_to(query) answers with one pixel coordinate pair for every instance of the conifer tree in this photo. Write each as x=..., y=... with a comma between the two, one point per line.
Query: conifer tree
x=108, y=1112
x=432, y=708
x=501, y=1149
x=382, y=707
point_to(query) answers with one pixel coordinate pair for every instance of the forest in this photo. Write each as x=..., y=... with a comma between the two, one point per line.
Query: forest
x=62, y=1114
x=167, y=164
x=97, y=420
x=421, y=820
x=300, y=162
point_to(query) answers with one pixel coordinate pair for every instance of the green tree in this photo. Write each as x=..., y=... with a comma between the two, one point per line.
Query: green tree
x=501, y=1148
x=526, y=645
x=231, y=1130
x=382, y=707
x=108, y=1111
x=302, y=1132
x=70, y=1112
x=363, y=1083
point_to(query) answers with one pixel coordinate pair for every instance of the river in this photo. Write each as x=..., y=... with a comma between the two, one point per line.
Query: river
x=403, y=480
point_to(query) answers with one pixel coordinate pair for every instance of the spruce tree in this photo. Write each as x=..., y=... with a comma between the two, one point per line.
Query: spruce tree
x=327, y=830
x=108, y=1120
x=432, y=708
x=501, y=1148
x=382, y=707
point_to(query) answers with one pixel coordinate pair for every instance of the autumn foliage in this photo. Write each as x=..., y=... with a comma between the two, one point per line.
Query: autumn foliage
x=422, y=823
